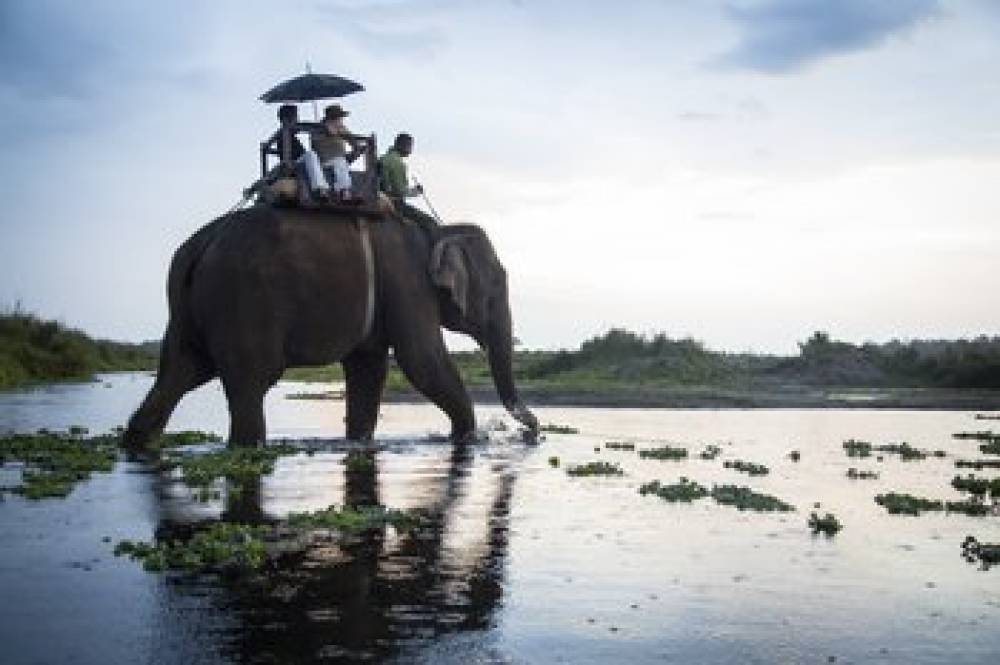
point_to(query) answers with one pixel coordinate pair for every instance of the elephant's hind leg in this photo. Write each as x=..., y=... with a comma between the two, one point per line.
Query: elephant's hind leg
x=180, y=371
x=245, y=389
x=365, y=375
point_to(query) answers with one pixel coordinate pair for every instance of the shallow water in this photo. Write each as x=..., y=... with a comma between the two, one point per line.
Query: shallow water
x=524, y=563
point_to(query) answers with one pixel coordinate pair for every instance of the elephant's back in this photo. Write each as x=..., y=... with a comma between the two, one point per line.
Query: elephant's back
x=301, y=272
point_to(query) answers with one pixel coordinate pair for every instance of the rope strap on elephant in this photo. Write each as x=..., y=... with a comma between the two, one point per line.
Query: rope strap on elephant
x=366, y=250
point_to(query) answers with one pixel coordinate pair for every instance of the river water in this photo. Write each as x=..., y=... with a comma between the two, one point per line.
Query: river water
x=525, y=563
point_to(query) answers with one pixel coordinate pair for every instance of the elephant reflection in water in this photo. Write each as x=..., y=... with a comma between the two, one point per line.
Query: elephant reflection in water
x=377, y=592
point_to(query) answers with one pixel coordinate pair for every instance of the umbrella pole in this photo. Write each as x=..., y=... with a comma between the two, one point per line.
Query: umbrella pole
x=309, y=70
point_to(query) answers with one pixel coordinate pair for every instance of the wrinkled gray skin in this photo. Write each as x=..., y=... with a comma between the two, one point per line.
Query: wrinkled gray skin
x=261, y=290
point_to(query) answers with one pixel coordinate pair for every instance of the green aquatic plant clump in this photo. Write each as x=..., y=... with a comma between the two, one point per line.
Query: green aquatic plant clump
x=359, y=460
x=978, y=464
x=857, y=474
x=239, y=465
x=554, y=462
x=55, y=462
x=828, y=524
x=855, y=448
x=595, y=469
x=221, y=546
x=907, y=504
x=897, y=503
x=750, y=468
x=186, y=437
x=619, y=445
x=558, y=429
x=744, y=498
x=710, y=452
x=664, y=453
x=684, y=490
x=904, y=450
x=986, y=554
x=355, y=519
x=985, y=435
x=977, y=486
x=990, y=448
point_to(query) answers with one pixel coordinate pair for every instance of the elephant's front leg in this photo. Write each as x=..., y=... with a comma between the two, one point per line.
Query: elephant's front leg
x=365, y=374
x=425, y=361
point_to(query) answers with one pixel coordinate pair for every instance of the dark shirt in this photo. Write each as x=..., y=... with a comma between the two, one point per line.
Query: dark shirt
x=279, y=144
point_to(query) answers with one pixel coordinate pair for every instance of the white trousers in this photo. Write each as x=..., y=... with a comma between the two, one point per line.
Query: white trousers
x=341, y=173
x=314, y=172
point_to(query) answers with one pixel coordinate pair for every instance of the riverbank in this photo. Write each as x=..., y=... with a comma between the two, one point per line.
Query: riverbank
x=33, y=350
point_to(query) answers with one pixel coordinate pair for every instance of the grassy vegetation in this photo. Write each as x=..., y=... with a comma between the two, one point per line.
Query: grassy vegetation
x=32, y=350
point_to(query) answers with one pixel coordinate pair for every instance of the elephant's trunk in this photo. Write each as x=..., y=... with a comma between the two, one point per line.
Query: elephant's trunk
x=500, y=347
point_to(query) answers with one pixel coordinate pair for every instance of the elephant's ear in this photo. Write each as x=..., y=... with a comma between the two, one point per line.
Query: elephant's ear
x=450, y=273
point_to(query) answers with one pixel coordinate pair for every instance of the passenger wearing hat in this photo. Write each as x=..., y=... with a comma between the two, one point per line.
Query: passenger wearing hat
x=330, y=142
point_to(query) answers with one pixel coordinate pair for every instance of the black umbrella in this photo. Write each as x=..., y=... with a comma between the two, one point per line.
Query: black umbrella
x=309, y=87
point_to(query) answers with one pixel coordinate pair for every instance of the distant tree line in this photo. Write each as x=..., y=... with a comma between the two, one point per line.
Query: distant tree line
x=32, y=349
x=623, y=355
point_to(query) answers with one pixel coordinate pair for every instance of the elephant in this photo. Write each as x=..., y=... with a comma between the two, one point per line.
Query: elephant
x=260, y=290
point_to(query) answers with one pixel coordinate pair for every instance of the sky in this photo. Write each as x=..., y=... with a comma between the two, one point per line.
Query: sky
x=743, y=172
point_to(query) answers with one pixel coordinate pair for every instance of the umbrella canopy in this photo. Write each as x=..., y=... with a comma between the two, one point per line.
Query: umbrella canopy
x=309, y=87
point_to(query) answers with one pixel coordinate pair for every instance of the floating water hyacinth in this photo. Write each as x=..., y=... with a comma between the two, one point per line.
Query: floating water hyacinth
x=745, y=498
x=239, y=465
x=554, y=462
x=55, y=462
x=664, y=453
x=855, y=474
x=359, y=460
x=977, y=486
x=558, y=429
x=828, y=524
x=221, y=546
x=710, y=452
x=750, y=468
x=855, y=448
x=356, y=519
x=985, y=435
x=906, y=504
x=619, y=445
x=595, y=469
x=978, y=464
x=986, y=554
x=684, y=490
x=990, y=448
